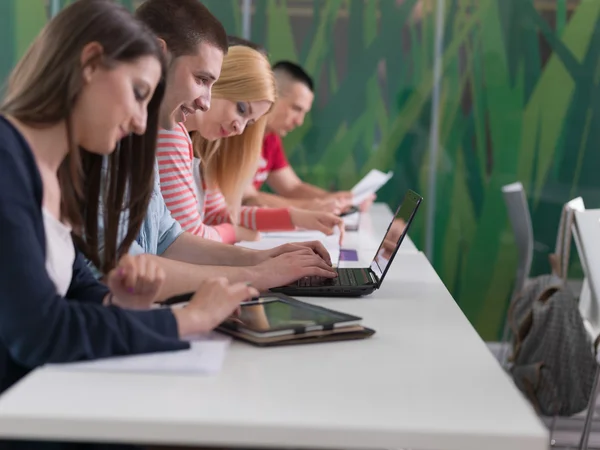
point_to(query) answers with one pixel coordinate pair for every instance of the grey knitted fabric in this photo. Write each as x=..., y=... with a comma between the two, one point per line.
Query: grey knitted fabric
x=553, y=360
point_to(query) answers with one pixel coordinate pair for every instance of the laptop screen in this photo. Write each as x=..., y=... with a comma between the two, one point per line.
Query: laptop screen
x=395, y=234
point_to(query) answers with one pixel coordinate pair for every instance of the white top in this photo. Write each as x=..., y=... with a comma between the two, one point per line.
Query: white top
x=425, y=380
x=60, y=252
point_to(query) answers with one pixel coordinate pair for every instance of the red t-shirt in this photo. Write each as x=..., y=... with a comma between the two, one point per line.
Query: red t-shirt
x=272, y=158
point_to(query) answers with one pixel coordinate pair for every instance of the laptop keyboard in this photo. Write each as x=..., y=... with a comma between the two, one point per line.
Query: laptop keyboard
x=346, y=277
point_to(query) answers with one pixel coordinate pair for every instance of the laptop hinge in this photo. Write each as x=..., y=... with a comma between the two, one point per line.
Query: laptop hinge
x=373, y=276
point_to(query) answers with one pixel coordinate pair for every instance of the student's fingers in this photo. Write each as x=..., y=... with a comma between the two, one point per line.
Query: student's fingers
x=313, y=261
x=127, y=271
x=318, y=272
x=142, y=281
x=308, y=248
x=156, y=277
x=323, y=228
x=332, y=205
x=113, y=279
x=331, y=220
x=342, y=228
x=241, y=292
x=318, y=248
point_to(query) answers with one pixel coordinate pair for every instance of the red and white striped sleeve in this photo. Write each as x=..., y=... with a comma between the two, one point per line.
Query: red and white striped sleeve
x=255, y=218
x=174, y=155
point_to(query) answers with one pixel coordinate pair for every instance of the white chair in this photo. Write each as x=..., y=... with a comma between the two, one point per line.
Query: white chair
x=520, y=220
x=586, y=233
x=517, y=209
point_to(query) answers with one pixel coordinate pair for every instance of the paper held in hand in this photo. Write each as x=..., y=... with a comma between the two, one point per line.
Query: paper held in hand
x=370, y=184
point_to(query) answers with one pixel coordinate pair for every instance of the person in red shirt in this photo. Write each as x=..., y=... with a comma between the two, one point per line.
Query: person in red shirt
x=295, y=99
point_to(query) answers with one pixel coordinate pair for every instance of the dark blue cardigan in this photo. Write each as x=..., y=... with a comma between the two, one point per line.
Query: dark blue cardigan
x=37, y=325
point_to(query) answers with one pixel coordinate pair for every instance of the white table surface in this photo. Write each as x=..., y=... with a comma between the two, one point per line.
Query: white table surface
x=424, y=381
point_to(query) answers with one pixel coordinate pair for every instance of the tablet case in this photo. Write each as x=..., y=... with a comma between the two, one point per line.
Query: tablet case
x=313, y=337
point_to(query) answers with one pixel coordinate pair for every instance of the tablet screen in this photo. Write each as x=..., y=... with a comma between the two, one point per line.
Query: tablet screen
x=275, y=314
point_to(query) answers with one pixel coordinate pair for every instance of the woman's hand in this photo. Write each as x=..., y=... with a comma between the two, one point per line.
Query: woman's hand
x=135, y=282
x=341, y=196
x=316, y=220
x=245, y=234
x=327, y=204
x=214, y=301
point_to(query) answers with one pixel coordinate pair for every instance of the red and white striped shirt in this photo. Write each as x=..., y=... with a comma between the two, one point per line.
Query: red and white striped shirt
x=199, y=210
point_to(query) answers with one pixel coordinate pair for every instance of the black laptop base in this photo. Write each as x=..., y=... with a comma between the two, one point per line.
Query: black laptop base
x=325, y=291
x=349, y=283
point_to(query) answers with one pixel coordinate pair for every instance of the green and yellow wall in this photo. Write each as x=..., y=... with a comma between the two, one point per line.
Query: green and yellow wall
x=519, y=100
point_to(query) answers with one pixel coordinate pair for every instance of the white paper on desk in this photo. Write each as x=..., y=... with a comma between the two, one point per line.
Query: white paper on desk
x=370, y=184
x=301, y=235
x=205, y=357
x=294, y=236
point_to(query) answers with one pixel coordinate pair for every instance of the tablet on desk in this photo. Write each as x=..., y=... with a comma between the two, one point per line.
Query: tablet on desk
x=277, y=315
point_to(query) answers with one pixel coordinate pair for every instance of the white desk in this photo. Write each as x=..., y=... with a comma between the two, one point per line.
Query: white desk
x=425, y=381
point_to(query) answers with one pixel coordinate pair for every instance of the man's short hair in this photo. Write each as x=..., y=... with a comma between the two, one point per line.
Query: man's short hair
x=235, y=40
x=294, y=72
x=183, y=24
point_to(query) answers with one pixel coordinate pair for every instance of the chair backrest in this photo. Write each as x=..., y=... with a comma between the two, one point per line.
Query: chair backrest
x=520, y=220
x=586, y=233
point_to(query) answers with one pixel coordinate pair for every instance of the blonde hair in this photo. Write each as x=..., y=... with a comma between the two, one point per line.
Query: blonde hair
x=230, y=163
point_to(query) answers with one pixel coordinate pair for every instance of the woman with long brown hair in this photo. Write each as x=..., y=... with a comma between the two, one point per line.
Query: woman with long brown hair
x=88, y=89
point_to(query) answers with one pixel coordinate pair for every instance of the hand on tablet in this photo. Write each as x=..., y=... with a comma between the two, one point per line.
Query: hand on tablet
x=315, y=220
x=135, y=282
x=343, y=196
x=214, y=301
x=332, y=205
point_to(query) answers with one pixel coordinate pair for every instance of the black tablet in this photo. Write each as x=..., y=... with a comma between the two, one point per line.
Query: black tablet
x=278, y=315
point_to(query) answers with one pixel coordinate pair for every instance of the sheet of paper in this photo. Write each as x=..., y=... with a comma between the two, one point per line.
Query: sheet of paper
x=205, y=357
x=295, y=236
x=370, y=184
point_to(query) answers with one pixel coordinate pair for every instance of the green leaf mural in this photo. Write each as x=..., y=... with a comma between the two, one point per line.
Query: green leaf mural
x=519, y=100
x=508, y=112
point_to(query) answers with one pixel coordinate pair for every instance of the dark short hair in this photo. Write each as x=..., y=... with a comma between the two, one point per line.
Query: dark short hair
x=235, y=40
x=183, y=24
x=295, y=72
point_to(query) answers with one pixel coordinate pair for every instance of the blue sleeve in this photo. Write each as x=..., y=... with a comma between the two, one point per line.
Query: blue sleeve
x=37, y=325
x=84, y=285
x=136, y=249
x=169, y=228
x=159, y=229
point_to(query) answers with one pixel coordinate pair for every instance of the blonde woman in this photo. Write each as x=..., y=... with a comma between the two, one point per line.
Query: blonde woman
x=205, y=197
